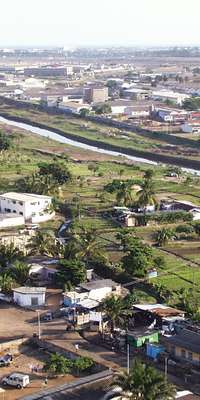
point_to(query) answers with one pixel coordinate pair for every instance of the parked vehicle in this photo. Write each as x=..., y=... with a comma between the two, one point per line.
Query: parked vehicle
x=6, y=360
x=17, y=380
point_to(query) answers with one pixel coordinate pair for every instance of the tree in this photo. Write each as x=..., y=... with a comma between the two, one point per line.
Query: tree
x=5, y=142
x=104, y=108
x=6, y=282
x=43, y=243
x=84, y=112
x=144, y=382
x=191, y=104
x=197, y=228
x=9, y=254
x=124, y=194
x=71, y=273
x=139, y=258
x=146, y=196
x=58, y=364
x=58, y=171
x=149, y=174
x=20, y=272
x=35, y=183
x=87, y=245
x=81, y=364
x=163, y=236
x=93, y=167
x=114, y=306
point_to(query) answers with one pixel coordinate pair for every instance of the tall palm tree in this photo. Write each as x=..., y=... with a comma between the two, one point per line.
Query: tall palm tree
x=20, y=272
x=124, y=194
x=146, y=196
x=144, y=382
x=43, y=243
x=115, y=308
x=86, y=245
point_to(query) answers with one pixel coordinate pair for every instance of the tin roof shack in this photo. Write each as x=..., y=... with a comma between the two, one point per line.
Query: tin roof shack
x=29, y=296
x=139, y=337
x=185, y=346
x=159, y=315
x=186, y=395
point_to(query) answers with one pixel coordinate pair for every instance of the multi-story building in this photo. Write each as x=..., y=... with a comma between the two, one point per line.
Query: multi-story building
x=95, y=94
x=33, y=207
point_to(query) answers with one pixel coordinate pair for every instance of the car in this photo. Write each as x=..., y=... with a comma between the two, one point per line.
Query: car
x=6, y=360
x=17, y=380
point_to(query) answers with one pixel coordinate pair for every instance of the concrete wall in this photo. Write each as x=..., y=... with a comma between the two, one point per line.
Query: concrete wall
x=25, y=300
x=12, y=346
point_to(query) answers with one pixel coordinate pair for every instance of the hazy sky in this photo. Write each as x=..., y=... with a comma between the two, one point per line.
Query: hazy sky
x=99, y=22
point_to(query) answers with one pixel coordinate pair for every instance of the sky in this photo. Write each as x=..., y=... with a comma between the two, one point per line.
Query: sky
x=73, y=23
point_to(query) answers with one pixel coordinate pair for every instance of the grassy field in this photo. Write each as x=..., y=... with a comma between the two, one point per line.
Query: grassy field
x=97, y=132
x=29, y=150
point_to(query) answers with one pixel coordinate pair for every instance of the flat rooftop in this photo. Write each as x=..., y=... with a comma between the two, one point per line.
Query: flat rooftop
x=23, y=196
x=29, y=290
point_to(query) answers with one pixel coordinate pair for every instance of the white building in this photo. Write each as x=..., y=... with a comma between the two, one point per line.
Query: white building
x=29, y=296
x=73, y=107
x=10, y=220
x=164, y=95
x=94, y=291
x=191, y=127
x=33, y=207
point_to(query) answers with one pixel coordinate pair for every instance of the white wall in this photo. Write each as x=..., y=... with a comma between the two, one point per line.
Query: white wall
x=99, y=294
x=15, y=221
x=24, y=300
x=27, y=208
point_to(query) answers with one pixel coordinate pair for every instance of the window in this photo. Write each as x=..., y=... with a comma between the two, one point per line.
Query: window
x=190, y=356
x=14, y=211
x=33, y=204
x=20, y=202
x=14, y=202
x=21, y=213
x=183, y=354
x=34, y=301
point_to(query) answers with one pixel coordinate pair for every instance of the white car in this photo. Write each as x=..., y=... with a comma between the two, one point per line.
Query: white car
x=17, y=380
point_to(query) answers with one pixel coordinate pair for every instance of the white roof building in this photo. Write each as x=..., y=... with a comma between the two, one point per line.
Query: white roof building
x=163, y=95
x=33, y=207
x=29, y=296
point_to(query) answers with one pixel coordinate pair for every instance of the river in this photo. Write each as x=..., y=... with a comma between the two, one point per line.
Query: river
x=55, y=136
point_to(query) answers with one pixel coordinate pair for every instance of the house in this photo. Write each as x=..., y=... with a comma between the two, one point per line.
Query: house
x=127, y=107
x=170, y=114
x=185, y=346
x=29, y=296
x=164, y=95
x=191, y=127
x=195, y=213
x=186, y=395
x=95, y=94
x=159, y=315
x=96, y=290
x=136, y=94
x=74, y=107
x=33, y=207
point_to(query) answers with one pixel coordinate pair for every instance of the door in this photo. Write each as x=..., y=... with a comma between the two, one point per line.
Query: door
x=34, y=301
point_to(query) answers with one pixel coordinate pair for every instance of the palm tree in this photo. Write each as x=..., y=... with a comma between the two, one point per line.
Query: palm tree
x=144, y=382
x=115, y=309
x=43, y=243
x=124, y=194
x=86, y=245
x=149, y=174
x=9, y=253
x=163, y=236
x=6, y=282
x=146, y=196
x=20, y=272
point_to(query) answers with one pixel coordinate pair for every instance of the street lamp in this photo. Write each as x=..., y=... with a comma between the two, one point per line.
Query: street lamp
x=39, y=324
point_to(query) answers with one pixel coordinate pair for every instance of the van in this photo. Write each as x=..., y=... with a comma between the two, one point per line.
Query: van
x=17, y=380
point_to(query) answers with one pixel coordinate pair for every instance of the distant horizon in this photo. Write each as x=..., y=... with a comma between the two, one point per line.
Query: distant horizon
x=146, y=23
x=98, y=46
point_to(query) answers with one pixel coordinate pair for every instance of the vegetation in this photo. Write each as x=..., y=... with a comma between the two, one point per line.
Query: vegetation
x=71, y=273
x=144, y=382
x=192, y=104
x=60, y=365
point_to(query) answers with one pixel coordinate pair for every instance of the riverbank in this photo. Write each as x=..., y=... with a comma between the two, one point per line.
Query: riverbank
x=99, y=145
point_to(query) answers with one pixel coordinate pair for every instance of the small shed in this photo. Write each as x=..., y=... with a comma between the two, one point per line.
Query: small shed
x=138, y=338
x=29, y=296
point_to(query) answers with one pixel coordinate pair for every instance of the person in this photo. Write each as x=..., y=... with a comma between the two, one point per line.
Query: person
x=46, y=381
x=76, y=347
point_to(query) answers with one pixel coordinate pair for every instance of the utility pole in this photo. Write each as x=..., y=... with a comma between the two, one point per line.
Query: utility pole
x=39, y=324
x=128, y=357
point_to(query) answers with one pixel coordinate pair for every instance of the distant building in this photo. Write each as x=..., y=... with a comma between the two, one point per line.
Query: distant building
x=73, y=107
x=95, y=94
x=32, y=207
x=128, y=108
x=165, y=95
x=191, y=127
x=136, y=94
x=48, y=71
x=29, y=296
x=169, y=114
